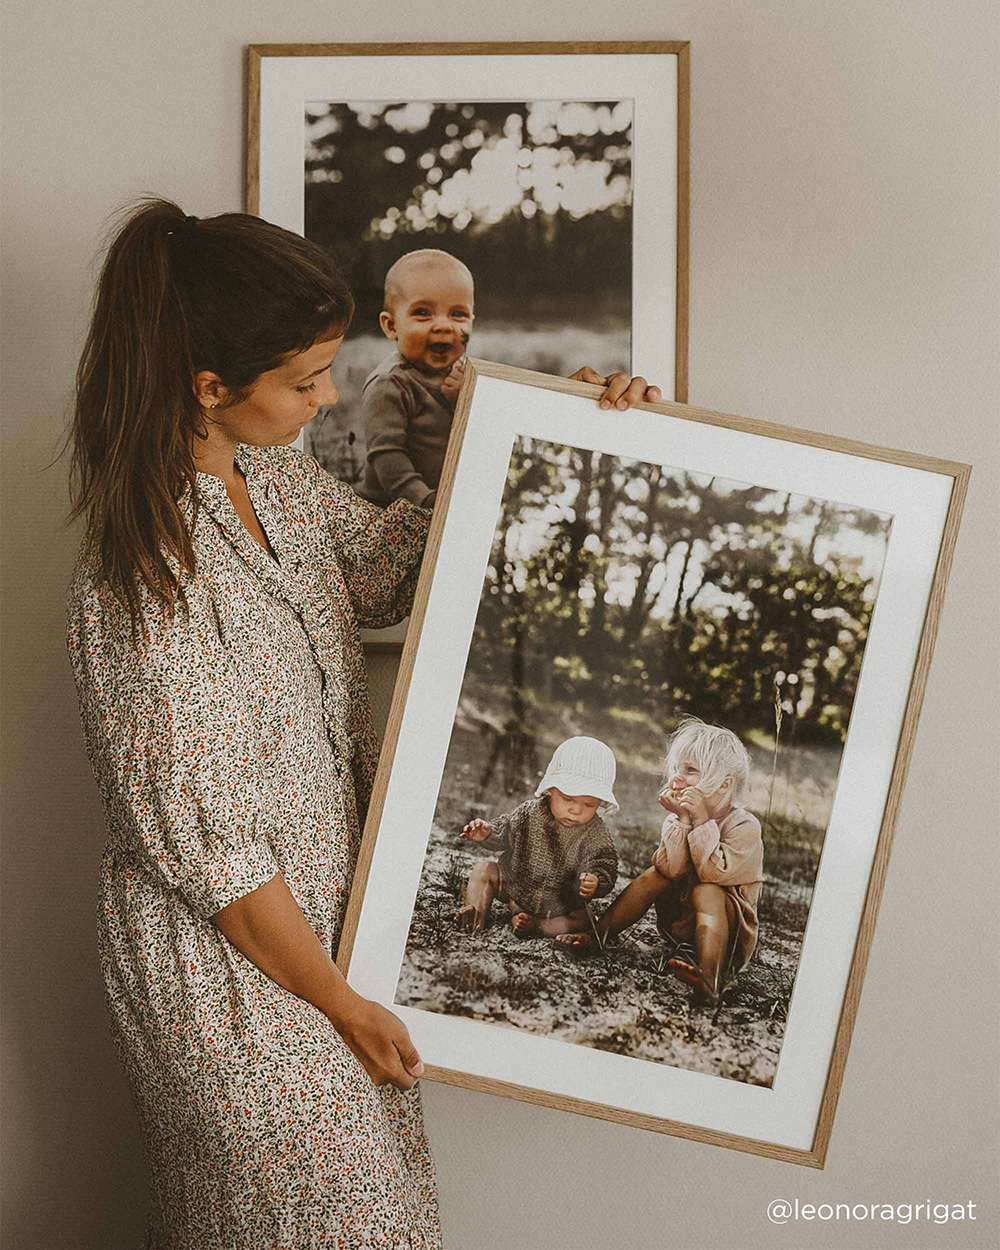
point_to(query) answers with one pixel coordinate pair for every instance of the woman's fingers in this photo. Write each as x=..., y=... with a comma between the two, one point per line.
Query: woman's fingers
x=618, y=389
x=381, y=1042
x=409, y=1057
x=622, y=391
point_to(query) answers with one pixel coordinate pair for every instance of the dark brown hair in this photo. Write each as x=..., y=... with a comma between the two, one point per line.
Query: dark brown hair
x=231, y=294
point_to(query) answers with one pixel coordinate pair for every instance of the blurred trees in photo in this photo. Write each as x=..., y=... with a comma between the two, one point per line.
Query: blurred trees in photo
x=615, y=582
x=535, y=197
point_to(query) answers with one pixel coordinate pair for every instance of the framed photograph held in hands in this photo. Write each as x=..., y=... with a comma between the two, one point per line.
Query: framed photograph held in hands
x=645, y=755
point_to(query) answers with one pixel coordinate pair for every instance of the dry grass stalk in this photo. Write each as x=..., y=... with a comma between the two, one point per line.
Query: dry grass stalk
x=778, y=715
x=593, y=925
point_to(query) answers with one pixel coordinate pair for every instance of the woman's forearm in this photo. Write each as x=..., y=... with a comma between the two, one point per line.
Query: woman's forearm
x=268, y=926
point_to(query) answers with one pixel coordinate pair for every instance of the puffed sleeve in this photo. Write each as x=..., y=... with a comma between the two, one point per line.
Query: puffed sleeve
x=378, y=549
x=172, y=747
x=728, y=854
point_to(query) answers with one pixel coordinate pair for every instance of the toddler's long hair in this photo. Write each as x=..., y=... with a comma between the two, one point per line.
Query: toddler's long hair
x=717, y=752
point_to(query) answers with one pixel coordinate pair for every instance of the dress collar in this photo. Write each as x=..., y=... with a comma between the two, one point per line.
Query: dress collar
x=214, y=498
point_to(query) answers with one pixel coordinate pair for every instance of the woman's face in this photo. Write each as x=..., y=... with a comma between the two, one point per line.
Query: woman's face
x=283, y=400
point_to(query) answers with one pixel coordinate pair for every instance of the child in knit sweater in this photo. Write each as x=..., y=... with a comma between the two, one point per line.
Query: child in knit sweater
x=707, y=870
x=555, y=852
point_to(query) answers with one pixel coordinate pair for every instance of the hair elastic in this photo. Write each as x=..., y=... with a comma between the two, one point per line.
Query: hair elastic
x=186, y=229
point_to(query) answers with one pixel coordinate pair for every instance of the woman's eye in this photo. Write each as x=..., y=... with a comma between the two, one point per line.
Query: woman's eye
x=302, y=390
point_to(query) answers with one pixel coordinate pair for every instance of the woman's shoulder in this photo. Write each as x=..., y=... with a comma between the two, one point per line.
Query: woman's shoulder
x=98, y=619
x=280, y=463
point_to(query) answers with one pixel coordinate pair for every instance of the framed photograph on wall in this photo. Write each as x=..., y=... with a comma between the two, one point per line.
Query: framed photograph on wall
x=556, y=176
x=594, y=585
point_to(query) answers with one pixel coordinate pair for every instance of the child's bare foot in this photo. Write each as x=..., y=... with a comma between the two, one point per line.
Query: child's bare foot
x=692, y=976
x=470, y=918
x=523, y=924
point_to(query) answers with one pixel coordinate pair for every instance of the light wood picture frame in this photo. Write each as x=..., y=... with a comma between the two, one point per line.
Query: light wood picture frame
x=558, y=173
x=877, y=527
x=654, y=75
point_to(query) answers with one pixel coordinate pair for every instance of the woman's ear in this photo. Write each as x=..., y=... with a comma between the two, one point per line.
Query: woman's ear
x=209, y=389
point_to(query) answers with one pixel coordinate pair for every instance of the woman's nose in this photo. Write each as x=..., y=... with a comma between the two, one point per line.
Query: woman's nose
x=326, y=392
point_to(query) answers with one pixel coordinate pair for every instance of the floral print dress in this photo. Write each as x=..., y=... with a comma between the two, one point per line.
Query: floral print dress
x=235, y=741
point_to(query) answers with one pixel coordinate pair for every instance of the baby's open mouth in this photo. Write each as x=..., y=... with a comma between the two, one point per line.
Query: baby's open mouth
x=441, y=349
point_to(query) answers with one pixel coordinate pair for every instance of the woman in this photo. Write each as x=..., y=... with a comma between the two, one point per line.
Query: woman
x=213, y=631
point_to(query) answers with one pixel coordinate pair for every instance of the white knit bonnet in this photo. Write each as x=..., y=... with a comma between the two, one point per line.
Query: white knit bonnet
x=582, y=766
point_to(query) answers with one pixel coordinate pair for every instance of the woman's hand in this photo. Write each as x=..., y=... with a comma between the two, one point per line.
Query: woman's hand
x=622, y=391
x=381, y=1042
x=268, y=926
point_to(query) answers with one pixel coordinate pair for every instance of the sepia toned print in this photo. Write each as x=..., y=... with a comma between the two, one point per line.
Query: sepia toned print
x=529, y=201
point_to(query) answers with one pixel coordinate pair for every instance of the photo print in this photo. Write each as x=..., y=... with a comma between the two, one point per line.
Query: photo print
x=644, y=758
x=505, y=231
x=622, y=600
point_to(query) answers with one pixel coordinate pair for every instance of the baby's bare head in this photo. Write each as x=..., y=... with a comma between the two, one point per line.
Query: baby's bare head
x=423, y=274
x=428, y=309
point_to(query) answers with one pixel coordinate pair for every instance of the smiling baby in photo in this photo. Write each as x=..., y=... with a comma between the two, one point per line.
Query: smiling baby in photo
x=408, y=402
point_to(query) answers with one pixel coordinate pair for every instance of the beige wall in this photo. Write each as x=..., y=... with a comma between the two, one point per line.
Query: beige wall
x=844, y=278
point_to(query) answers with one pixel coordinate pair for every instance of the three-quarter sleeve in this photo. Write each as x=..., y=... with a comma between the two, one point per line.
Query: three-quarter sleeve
x=733, y=855
x=172, y=748
x=379, y=550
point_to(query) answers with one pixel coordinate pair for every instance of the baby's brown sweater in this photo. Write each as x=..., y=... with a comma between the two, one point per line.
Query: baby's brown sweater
x=541, y=862
x=407, y=423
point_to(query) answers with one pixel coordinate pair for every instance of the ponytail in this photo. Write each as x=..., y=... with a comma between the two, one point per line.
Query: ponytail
x=137, y=414
x=231, y=294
